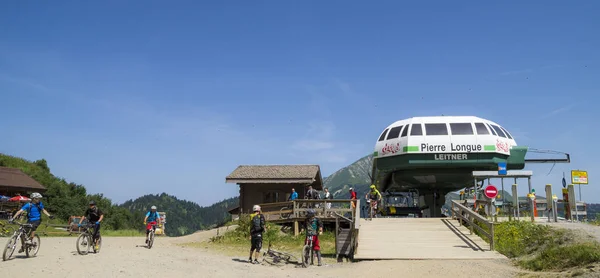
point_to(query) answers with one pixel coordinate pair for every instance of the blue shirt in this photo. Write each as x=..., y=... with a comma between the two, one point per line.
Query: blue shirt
x=35, y=213
x=153, y=217
x=294, y=196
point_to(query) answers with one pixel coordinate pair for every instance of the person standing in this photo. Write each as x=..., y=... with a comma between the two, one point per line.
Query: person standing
x=328, y=196
x=294, y=195
x=312, y=194
x=257, y=228
x=314, y=228
x=353, y=197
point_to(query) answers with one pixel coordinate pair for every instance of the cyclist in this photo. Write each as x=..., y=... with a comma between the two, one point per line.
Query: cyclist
x=257, y=228
x=94, y=215
x=152, y=218
x=314, y=228
x=374, y=197
x=34, y=215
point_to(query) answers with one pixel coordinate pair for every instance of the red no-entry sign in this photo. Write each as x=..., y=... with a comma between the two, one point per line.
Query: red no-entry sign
x=491, y=191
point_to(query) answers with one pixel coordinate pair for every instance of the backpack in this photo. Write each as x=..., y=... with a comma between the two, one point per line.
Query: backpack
x=256, y=223
x=31, y=206
x=155, y=213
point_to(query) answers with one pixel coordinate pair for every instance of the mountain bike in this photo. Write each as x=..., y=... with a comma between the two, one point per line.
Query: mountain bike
x=151, y=234
x=372, y=209
x=308, y=252
x=277, y=257
x=22, y=234
x=85, y=240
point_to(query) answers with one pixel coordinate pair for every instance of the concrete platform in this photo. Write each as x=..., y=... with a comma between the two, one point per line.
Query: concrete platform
x=419, y=239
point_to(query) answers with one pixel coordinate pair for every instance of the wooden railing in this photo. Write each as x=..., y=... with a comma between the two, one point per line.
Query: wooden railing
x=473, y=219
x=299, y=208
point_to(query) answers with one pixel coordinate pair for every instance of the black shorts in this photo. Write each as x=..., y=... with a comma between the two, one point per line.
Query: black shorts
x=35, y=224
x=256, y=242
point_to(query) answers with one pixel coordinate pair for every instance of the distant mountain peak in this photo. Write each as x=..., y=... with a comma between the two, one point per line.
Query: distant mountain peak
x=354, y=175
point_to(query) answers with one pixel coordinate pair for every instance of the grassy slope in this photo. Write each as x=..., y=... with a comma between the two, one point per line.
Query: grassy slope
x=544, y=248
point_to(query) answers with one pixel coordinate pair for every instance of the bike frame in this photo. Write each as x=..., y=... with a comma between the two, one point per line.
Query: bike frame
x=88, y=232
x=309, y=243
x=21, y=234
x=277, y=256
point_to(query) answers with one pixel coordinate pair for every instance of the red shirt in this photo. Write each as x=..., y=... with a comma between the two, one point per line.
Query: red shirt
x=352, y=195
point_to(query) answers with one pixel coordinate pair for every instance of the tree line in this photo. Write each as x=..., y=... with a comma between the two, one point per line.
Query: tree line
x=64, y=199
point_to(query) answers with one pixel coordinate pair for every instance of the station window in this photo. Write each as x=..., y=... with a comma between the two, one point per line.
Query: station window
x=416, y=130
x=499, y=131
x=394, y=132
x=383, y=135
x=507, y=134
x=461, y=128
x=493, y=131
x=405, y=131
x=481, y=129
x=436, y=129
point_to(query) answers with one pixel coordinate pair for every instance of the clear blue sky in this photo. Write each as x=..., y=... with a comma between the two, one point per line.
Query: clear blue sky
x=137, y=97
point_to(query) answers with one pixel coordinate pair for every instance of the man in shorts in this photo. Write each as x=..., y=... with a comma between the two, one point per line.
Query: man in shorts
x=34, y=214
x=257, y=228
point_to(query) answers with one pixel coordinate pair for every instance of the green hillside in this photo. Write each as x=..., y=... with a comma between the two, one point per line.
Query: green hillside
x=355, y=175
x=64, y=199
x=183, y=217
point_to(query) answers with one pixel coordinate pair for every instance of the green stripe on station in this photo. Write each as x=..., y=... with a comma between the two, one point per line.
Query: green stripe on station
x=408, y=149
x=489, y=148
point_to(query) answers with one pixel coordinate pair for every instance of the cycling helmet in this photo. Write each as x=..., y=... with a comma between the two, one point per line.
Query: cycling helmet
x=36, y=195
x=310, y=213
x=92, y=203
x=256, y=208
x=350, y=189
x=372, y=186
x=153, y=207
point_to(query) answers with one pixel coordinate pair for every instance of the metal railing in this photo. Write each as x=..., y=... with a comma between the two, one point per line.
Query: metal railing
x=473, y=219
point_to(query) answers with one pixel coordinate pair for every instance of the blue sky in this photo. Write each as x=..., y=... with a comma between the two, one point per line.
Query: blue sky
x=137, y=97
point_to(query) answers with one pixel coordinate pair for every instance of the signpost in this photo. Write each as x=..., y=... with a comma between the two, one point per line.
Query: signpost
x=502, y=168
x=579, y=177
x=491, y=191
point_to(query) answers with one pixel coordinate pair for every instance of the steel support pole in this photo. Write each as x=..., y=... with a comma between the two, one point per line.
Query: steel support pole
x=503, y=204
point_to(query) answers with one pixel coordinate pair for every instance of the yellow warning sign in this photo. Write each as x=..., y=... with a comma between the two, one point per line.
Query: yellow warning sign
x=579, y=177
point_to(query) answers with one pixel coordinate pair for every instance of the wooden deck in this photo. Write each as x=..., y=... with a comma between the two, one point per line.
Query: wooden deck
x=419, y=238
x=294, y=212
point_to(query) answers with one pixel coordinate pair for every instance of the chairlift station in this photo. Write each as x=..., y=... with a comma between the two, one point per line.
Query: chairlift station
x=439, y=154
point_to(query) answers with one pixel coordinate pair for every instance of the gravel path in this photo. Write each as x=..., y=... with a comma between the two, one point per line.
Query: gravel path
x=121, y=257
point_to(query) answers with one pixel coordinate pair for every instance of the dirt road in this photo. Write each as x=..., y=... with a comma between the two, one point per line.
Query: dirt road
x=120, y=257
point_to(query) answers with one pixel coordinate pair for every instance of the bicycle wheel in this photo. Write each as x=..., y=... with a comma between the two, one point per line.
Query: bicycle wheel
x=83, y=244
x=97, y=247
x=10, y=247
x=32, y=249
x=290, y=258
x=273, y=259
x=285, y=215
x=305, y=255
x=150, y=239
